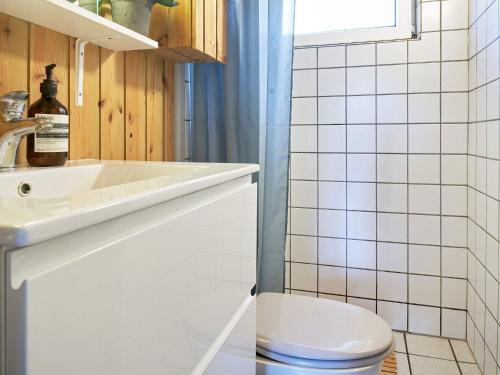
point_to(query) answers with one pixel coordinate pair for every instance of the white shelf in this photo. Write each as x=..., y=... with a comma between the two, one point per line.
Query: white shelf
x=72, y=20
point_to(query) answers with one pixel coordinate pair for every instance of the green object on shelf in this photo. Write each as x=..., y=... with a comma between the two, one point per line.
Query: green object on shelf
x=135, y=14
x=90, y=5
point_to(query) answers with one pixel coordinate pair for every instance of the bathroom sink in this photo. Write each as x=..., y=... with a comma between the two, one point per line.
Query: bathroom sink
x=41, y=203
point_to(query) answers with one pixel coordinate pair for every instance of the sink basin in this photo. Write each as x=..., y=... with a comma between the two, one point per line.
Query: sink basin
x=41, y=203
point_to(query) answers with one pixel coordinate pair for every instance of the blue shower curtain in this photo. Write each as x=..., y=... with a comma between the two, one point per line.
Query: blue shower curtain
x=241, y=114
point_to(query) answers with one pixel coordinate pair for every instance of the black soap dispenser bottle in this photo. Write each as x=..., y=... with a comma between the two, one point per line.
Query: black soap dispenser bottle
x=49, y=149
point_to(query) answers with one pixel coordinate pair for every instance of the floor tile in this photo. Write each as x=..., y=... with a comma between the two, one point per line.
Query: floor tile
x=429, y=346
x=400, y=342
x=430, y=366
x=462, y=351
x=469, y=369
x=402, y=362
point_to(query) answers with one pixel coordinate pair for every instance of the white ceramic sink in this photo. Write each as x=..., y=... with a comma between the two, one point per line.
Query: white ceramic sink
x=40, y=203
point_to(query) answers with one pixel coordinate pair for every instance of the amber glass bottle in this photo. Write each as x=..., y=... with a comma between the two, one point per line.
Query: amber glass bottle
x=49, y=149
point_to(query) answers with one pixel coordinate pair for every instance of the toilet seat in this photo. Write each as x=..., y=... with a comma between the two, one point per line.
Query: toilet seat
x=320, y=333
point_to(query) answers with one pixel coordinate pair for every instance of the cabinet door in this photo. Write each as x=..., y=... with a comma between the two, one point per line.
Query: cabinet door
x=148, y=293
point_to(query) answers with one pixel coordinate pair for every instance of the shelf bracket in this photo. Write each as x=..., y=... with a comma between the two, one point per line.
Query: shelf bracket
x=80, y=67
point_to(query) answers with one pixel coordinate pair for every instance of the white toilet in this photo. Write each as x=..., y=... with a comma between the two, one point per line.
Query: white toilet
x=298, y=335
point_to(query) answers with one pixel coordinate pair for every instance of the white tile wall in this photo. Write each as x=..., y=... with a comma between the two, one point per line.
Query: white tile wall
x=483, y=170
x=379, y=173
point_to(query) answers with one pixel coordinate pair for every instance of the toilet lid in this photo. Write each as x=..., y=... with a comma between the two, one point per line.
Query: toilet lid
x=319, y=329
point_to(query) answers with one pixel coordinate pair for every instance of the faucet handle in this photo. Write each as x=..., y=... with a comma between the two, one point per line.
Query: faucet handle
x=12, y=105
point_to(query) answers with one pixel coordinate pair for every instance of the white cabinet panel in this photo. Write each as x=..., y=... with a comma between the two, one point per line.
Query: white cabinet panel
x=145, y=294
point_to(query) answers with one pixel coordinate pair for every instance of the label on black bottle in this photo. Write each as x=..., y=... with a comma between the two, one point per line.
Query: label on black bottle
x=56, y=139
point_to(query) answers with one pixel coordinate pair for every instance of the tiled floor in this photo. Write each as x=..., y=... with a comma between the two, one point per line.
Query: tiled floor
x=426, y=355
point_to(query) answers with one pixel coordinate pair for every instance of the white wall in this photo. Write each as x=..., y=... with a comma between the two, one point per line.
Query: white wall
x=483, y=194
x=378, y=183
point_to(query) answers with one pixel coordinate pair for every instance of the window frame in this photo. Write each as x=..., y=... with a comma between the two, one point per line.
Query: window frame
x=405, y=29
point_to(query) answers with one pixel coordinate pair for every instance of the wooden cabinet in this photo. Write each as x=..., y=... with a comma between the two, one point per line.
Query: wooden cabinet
x=195, y=30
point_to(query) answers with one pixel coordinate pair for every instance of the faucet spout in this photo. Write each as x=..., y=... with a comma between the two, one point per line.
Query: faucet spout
x=11, y=108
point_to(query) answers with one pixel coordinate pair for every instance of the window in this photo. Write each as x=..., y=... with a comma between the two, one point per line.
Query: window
x=320, y=22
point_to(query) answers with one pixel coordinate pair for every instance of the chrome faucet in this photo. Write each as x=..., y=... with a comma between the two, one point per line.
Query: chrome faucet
x=12, y=106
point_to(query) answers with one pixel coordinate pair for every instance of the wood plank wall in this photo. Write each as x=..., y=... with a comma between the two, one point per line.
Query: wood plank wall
x=128, y=96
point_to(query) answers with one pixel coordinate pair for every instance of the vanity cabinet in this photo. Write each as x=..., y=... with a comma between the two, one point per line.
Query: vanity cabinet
x=195, y=30
x=162, y=290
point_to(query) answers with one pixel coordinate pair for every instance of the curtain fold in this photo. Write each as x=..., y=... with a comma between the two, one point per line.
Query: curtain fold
x=241, y=114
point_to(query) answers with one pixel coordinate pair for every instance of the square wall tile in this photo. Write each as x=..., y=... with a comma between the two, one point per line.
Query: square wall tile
x=424, y=260
x=392, y=197
x=332, y=251
x=392, y=138
x=304, y=58
x=392, y=257
x=454, y=293
x=361, y=109
x=330, y=57
x=424, y=169
x=426, y=49
x=423, y=319
x=361, y=80
x=331, y=81
x=454, y=169
x=454, y=107
x=454, y=45
x=392, y=286
x=304, y=83
x=455, y=75
x=361, y=54
x=394, y=313
x=454, y=200
x=392, y=227
x=361, y=283
x=332, y=280
x=361, y=254
x=303, y=249
x=454, y=14
x=391, y=168
x=424, y=290
x=331, y=138
x=304, y=276
x=391, y=109
x=330, y=167
x=454, y=262
x=392, y=52
x=431, y=13
x=303, y=221
x=303, y=193
x=454, y=138
x=331, y=110
x=331, y=223
x=424, y=138
x=303, y=166
x=330, y=195
x=424, y=229
x=391, y=79
x=424, y=77
x=361, y=167
x=361, y=225
x=423, y=108
x=361, y=138
x=361, y=196
x=303, y=139
x=453, y=324
x=424, y=199
x=304, y=111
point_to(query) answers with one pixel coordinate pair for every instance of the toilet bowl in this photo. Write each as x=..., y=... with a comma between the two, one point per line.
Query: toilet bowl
x=299, y=335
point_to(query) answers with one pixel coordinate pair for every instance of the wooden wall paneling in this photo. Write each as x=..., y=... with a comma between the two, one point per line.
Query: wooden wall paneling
x=210, y=33
x=197, y=25
x=84, y=127
x=14, y=57
x=135, y=105
x=155, y=108
x=112, y=105
x=169, y=112
x=171, y=27
x=221, y=30
x=47, y=47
